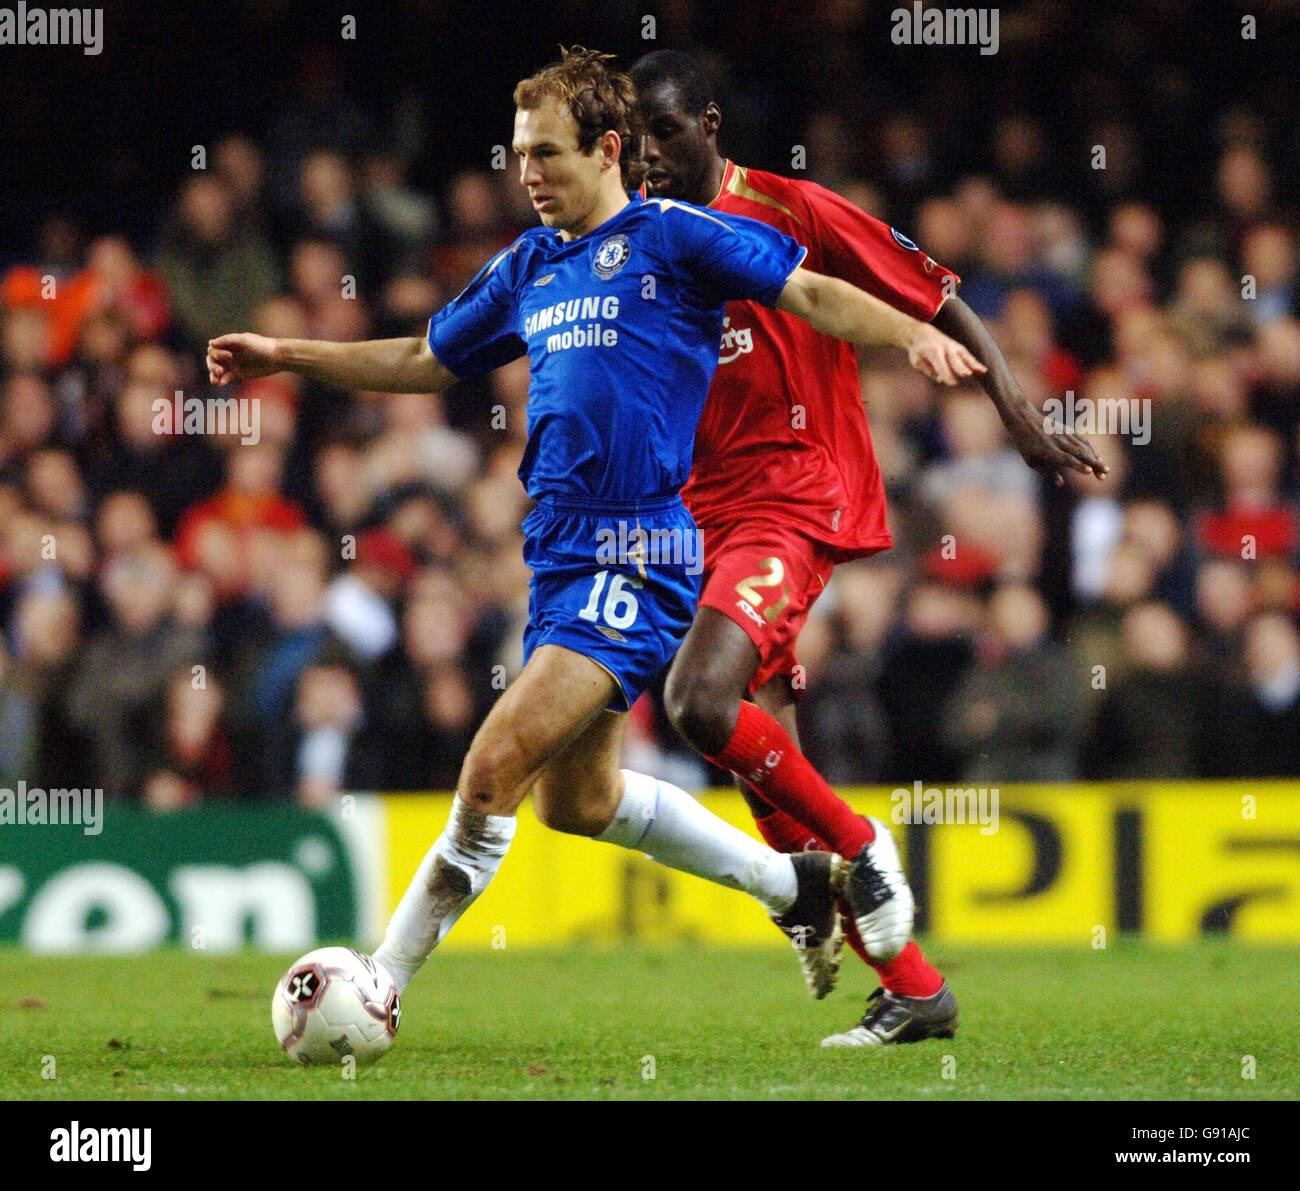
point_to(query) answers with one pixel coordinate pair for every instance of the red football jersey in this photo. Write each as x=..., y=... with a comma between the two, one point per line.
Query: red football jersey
x=784, y=432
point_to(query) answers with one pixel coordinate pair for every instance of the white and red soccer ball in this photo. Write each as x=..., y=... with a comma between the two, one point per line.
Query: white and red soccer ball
x=332, y=1003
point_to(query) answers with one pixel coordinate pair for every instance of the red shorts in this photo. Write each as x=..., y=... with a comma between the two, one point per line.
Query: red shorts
x=766, y=577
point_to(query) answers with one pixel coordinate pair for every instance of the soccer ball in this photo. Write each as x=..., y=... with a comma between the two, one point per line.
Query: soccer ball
x=332, y=1003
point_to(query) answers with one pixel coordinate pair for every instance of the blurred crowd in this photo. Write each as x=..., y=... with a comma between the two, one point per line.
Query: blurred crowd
x=336, y=604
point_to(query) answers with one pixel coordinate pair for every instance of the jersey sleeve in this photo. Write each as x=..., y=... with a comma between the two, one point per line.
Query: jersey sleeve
x=866, y=252
x=475, y=332
x=728, y=257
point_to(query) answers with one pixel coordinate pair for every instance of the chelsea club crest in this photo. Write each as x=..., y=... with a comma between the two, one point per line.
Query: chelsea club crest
x=611, y=256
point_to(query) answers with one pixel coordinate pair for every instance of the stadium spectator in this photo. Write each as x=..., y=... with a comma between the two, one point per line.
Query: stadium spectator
x=1259, y=719
x=418, y=447
x=1207, y=311
x=406, y=222
x=215, y=534
x=419, y=684
x=125, y=669
x=1268, y=256
x=283, y=634
x=217, y=270
x=842, y=719
x=55, y=487
x=342, y=499
x=1245, y=191
x=117, y=282
x=327, y=713
x=190, y=757
x=358, y=602
x=1254, y=520
x=240, y=163
x=478, y=226
x=1026, y=329
x=1007, y=260
x=979, y=456
x=1096, y=522
x=1017, y=715
x=1156, y=720
x=46, y=643
x=1225, y=599
x=1154, y=529
x=170, y=471
x=332, y=209
x=922, y=666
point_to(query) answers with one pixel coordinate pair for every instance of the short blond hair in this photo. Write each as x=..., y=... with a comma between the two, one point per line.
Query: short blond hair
x=600, y=99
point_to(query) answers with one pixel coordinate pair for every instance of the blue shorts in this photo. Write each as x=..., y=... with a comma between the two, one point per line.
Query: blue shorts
x=617, y=584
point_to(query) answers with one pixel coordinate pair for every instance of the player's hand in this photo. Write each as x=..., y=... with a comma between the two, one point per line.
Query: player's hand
x=240, y=356
x=940, y=358
x=1050, y=454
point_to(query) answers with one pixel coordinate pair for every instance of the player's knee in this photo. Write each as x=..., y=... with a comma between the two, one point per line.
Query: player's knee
x=488, y=779
x=702, y=709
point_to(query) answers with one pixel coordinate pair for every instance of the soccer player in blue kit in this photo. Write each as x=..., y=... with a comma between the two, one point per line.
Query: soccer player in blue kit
x=617, y=302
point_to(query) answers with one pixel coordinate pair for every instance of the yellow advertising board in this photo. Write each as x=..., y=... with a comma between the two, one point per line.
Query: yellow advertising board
x=1208, y=868
x=1050, y=864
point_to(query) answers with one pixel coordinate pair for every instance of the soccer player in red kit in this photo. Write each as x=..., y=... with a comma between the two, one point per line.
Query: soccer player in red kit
x=785, y=485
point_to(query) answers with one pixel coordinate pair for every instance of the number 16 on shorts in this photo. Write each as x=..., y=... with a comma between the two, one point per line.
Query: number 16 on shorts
x=620, y=607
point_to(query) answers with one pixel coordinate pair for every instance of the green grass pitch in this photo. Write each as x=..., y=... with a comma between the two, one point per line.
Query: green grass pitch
x=1131, y=1022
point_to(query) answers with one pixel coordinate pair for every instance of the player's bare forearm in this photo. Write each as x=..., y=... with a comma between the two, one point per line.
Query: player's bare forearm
x=382, y=365
x=835, y=307
x=1046, y=454
x=961, y=323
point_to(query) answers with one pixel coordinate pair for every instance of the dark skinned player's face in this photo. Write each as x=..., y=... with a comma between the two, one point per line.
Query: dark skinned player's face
x=677, y=148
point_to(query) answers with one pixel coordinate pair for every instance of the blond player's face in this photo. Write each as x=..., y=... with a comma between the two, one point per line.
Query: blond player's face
x=563, y=183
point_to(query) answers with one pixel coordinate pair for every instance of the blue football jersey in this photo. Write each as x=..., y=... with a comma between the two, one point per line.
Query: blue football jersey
x=622, y=328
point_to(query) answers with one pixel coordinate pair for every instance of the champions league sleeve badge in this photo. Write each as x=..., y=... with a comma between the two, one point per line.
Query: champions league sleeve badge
x=611, y=256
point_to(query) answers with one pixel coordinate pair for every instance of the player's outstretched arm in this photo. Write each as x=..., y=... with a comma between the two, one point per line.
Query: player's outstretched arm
x=837, y=308
x=1047, y=454
x=379, y=365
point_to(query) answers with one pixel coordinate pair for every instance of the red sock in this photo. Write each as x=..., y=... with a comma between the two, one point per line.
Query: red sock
x=788, y=835
x=761, y=753
x=908, y=973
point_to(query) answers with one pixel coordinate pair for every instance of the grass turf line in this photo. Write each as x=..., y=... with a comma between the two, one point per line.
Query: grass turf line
x=1132, y=1022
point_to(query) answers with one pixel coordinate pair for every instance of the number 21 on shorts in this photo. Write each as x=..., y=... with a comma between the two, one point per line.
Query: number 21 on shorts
x=772, y=574
x=620, y=604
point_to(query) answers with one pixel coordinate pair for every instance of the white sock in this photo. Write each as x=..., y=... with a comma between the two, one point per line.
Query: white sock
x=459, y=866
x=667, y=823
